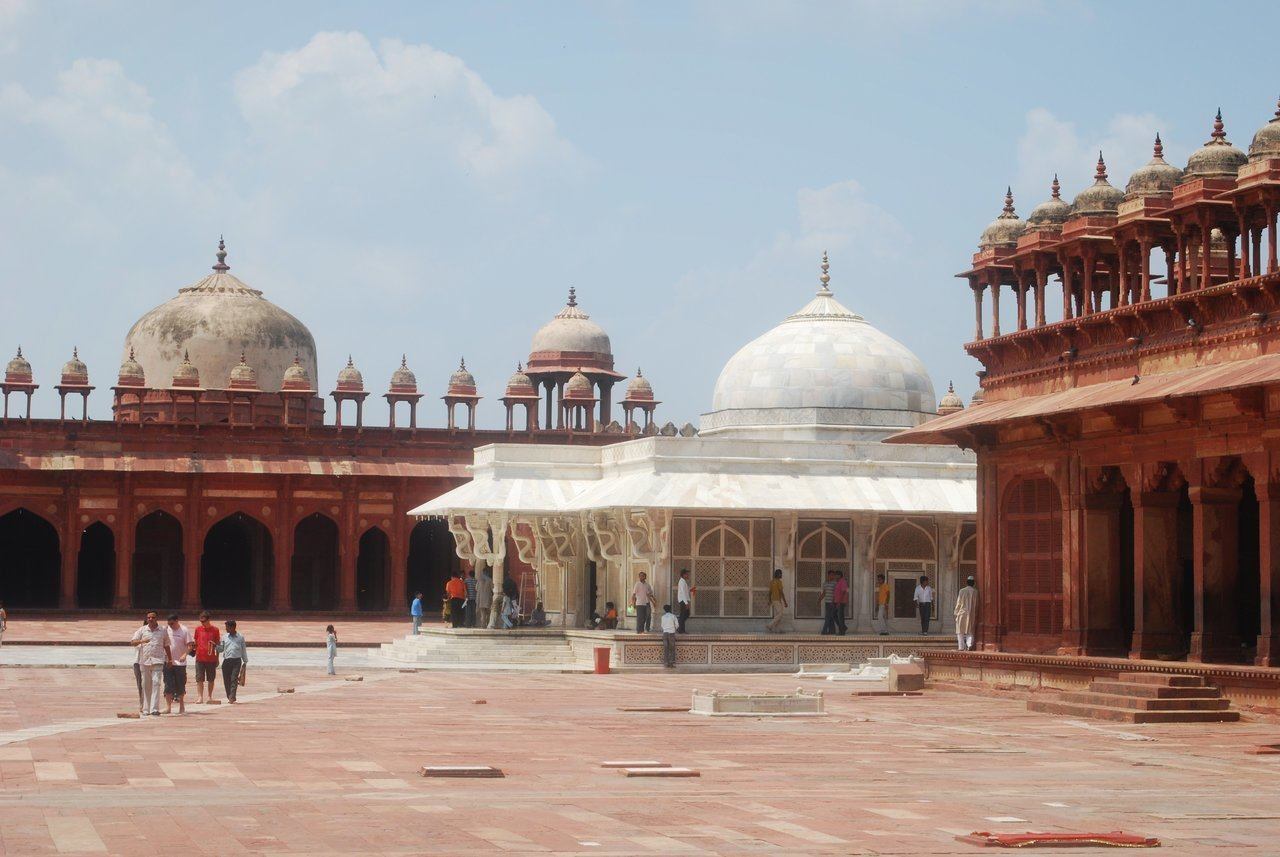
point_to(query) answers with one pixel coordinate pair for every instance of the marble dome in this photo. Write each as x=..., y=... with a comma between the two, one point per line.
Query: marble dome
x=572, y=330
x=215, y=321
x=1217, y=158
x=824, y=370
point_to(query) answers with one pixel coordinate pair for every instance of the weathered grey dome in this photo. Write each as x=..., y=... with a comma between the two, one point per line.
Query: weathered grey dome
x=1006, y=229
x=185, y=374
x=215, y=321
x=18, y=369
x=519, y=383
x=462, y=379
x=74, y=371
x=243, y=375
x=1100, y=198
x=572, y=330
x=1266, y=143
x=296, y=376
x=823, y=369
x=1054, y=211
x=131, y=373
x=977, y=398
x=349, y=377
x=950, y=403
x=403, y=379
x=1156, y=178
x=639, y=387
x=1217, y=158
x=578, y=387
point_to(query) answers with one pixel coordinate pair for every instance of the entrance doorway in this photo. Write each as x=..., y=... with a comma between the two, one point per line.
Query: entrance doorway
x=236, y=565
x=157, y=561
x=431, y=562
x=96, y=566
x=313, y=581
x=371, y=571
x=30, y=560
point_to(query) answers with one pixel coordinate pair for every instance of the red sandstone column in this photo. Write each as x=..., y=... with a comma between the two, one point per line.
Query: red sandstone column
x=1268, y=654
x=1215, y=556
x=977, y=309
x=1042, y=282
x=71, y=531
x=127, y=532
x=1100, y=633
x=1022, y=301
x=282, y=560
x=990, y=618
x=348, y=549
x=1066, y=291
x=1271, y=243
x=1155, y=570
x=1074, y=587
x=1144, y=271
x=192, y=547
x=995, y=307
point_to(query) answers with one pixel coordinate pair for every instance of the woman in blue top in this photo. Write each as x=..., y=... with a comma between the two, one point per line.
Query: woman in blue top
x=331, y=643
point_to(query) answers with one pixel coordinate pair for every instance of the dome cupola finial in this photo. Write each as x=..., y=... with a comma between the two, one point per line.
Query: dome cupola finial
x=1055, y=188
x=1157, y=151
x=1100, y=175
x=825, y=277
x=1219, y=130
x=1008, y=200
x=221, y=266
x=573, y=296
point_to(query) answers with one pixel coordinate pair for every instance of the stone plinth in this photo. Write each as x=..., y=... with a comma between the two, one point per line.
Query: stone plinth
x=727, y=704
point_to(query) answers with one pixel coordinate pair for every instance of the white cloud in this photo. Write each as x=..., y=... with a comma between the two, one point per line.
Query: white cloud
x=340, y=93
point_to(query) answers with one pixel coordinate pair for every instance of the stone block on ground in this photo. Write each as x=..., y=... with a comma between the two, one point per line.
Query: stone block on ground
x=479, y=702
x=634, y=764
x=355, y=678
x=461, y=771
x=909, y=676
x=129, y=715
x=716, y=703
x=214, y=702
x=284, y=690
x=660, y=772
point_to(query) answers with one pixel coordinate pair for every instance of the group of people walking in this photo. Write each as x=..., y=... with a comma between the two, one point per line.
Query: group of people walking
x=161, y=664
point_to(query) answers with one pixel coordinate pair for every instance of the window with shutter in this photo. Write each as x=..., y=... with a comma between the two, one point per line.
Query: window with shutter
x=1032, y=548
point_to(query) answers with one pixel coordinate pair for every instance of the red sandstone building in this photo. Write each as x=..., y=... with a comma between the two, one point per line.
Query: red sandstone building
x=218, y=483
x=1126, y=434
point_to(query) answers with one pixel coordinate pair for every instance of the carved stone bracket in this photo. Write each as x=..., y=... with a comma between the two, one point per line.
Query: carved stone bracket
x=463, y=545
x=649, y=531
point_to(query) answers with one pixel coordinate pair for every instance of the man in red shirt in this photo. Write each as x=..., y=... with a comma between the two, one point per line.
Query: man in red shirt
x=842, y=603
x=456, y=589
x=207, y=638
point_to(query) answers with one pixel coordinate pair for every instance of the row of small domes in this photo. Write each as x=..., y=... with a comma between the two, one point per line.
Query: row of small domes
x=245, y=377
x=1217, y=158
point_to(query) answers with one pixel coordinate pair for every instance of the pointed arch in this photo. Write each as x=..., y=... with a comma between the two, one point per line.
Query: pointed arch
x=373, y=570
x=30, y=560
x=821, y=546
x=236, y=565
x=313, y=582
x=96, y=566
x=157, y=560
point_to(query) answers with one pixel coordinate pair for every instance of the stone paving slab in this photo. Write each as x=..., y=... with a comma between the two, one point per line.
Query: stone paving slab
x=333, y=769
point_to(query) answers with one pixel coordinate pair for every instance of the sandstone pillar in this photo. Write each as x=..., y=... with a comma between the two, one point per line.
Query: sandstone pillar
x=1101, y=625
x=1215, y=552
x=1155, y=574
x=1268, y=654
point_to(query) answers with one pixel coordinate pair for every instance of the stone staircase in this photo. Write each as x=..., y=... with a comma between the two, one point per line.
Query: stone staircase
x=485, y=650
x=1144, y=698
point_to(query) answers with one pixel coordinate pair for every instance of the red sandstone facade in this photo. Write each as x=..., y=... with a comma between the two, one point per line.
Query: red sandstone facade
x=1128, y=452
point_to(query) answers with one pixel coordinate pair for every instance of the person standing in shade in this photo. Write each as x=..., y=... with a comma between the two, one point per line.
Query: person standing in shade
x=642, y=599
x=669, y=627
x=469, y=611
x=4, y=622
x=181, y=644
x=235, y=657
x=331, y=644
x=510, y=606
x=924, y=602
x=842, y=603
x=966, y=613
x=456, y=590
x=484, y=594
x=151, y=641
x=206, y=639
x=684, y=598
x=882, y=603
x=415, y=612
x=827, y=601
x=777, y=603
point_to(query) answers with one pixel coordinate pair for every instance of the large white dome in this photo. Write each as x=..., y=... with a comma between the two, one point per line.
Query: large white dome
x=824, y=371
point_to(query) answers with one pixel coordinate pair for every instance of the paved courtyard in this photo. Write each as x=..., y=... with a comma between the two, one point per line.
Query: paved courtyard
x=332, y=769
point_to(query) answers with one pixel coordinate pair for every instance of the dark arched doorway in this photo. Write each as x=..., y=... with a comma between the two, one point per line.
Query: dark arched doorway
x=236, y=565
x=96, y=566
x=30, y=560
x=314, y=570
x=371, y=571
x=431, y=561
x=157, y=561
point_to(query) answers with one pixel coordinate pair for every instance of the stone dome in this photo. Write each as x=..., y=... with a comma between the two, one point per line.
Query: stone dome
x=1266, y=143
x=349, y=377
x=1006, y=229
x=131, y=374
x=639, y=387
x=578, y=387
x=403, y=380
x=1100, y=198
x=243, y=376
x=296, y=376
x=185, y=374
x=824, y=371
x=1053, y=212
x=1217, y=158
x=1155, y=178
x=462, y=380
x=216, y=320
x=74, y=371
x=18, y=370
x=977, y=398
x=950, y=402
x=519, y=384
x=572, y=331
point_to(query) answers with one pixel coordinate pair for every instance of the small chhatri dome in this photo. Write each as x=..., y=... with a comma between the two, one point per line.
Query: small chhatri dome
x=186, y=375
x=1006, y=229
x=1053, y=212
x=579, y=387
x=571, y=331
x=296, y=376
x=976, y=398
x=243, y=376
x=131, y=374
x=639, y=386
x=18, y=370
x=1100, y=198
x=950, y=402
x=74, y=372
x=1156, y=178
x=1217, y=158
x=349, y=377
x=519, y=384
x=403, y=380
x=1266, y=143
x=462, y=381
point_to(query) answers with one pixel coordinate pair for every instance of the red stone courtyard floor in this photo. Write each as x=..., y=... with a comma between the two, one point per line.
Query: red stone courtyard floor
x=117, y=629
x=331, y=769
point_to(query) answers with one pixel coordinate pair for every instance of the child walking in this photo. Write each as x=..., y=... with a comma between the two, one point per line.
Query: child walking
x=331, y=643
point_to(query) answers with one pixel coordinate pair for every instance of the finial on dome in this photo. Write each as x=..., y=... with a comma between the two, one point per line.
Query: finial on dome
x=130, y=352
x=350, y=363
x=639, y=374
x=404, y=361
x=1008, y=199
x=519, y=366
x=573, y=296
x=19, y=350
x=951, y=387
x=1277, y=111
x=1056, y=188
x=825, y=276
x=462, y=363
x=221, y=265
x=75, y=353
x=242, y=355
x=1218, y=132
x=1101, y=174
x=186, y=355
x=1158, y=150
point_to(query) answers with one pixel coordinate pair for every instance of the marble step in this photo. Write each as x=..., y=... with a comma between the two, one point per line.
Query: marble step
x=1130, y=715
x=1153, y=691
x=1147, y=703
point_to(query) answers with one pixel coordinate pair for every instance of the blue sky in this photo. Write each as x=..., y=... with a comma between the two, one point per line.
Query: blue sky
x=431, y=178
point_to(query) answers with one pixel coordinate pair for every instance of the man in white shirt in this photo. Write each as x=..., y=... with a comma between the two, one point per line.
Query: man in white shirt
x=180, y=643
x=684, y=598
x=669, y=626
x=642, y=599
x=151, y=641
x=924, y=602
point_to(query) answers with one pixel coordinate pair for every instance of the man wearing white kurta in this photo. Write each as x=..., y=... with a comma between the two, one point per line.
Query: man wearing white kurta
x=684, y=601
x=966, y=614
x=151, y=641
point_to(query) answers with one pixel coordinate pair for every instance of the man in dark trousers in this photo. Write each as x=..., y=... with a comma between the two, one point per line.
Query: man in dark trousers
x=684, y=600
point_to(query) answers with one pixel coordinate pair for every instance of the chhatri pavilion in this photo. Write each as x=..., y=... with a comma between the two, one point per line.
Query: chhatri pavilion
x=787, y=470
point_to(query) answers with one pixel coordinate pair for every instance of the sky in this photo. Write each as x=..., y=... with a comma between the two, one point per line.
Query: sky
x=431, y=178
